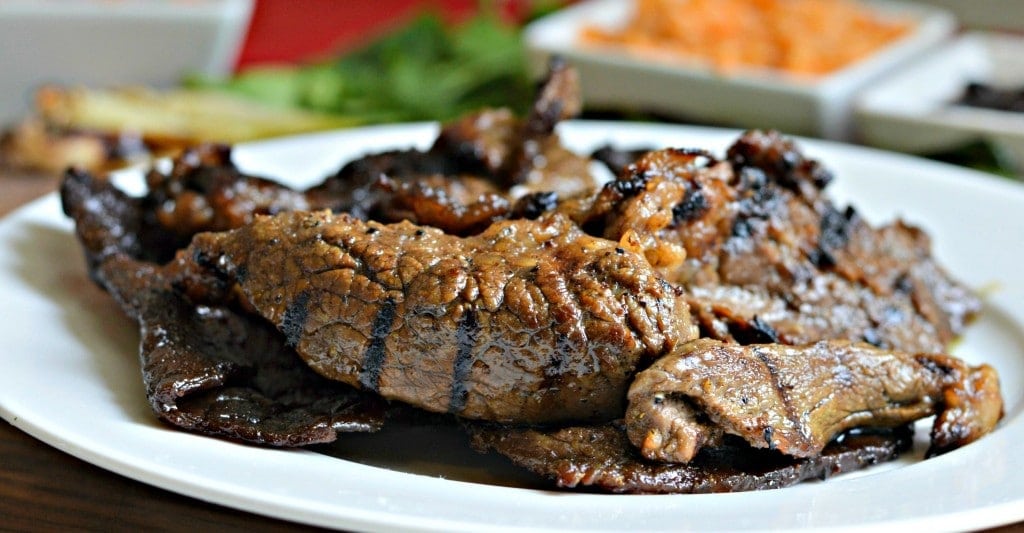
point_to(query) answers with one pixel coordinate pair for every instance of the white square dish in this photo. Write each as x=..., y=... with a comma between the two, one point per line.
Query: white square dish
x=104, y=43
x=991, y=14
x=751, y=98
x=915, y=110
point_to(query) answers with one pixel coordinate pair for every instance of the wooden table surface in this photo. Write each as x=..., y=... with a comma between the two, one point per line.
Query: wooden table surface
x=42, y=488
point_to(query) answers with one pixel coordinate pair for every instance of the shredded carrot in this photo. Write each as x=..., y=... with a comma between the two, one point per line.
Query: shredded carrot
x=803, y=37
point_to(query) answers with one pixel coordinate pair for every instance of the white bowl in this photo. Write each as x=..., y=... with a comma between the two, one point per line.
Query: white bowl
x=104, y=43
x=992, y=14
x=914, y=109
x=753, y=98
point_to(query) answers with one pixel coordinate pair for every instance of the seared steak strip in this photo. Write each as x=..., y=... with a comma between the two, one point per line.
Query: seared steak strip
x=470, y=178
x=209, y=368
x=204, y=191
x=476, y=168
x=530, y=321
x=601, y=457
x=971, y=405
x=797, y=399
x=764, y=256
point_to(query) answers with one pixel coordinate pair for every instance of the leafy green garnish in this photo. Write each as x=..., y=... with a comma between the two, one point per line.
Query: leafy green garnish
x=424, y=71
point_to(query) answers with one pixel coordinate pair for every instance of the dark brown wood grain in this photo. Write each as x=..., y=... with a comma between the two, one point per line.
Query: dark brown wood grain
x=44, y=489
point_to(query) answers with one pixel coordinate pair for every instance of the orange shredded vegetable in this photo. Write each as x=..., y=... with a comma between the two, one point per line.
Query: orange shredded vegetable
x=803, y=37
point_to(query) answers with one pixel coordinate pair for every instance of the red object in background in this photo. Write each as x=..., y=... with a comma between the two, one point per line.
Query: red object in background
x=287, y=31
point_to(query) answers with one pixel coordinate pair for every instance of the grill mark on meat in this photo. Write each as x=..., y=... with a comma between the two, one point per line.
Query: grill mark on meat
x=373, y=360
x=693, y=206
x=467, y=335
x=294, y=320
x=528, y=282
x=783, y=392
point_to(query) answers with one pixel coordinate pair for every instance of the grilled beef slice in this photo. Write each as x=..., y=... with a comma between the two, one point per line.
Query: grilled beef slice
x=529, y=322
x=764, y=256
x=796, y=399
x=478, y=166
x=210, y=368
x=602, y=458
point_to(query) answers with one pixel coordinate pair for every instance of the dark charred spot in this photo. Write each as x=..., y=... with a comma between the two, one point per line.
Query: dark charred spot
x=756, y=331
x=820, y=176
x=373, y=359
x=835, y=229
x=594, y=226
x=904, y=284
x=764, y=330
x=616, y=159
x=821, y=258
x=202, y=259
x=742, y=228
x=466, y=335
x=371, y=231
x=419, y=233
x=534, y=205
x=630, y=185
x=693, y=206
x=294, y=321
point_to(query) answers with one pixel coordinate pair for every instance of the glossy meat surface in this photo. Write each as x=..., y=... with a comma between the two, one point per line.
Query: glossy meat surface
x=530, y=321
x=210, y=368
x=490, y=278
x=764, y=256
x=796, y=399
x=601, y=458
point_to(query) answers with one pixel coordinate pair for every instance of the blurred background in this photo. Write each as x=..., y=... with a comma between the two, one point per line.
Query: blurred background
x=103, y=82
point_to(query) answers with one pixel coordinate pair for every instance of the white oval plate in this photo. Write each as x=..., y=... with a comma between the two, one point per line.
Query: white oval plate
x=70, y=374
